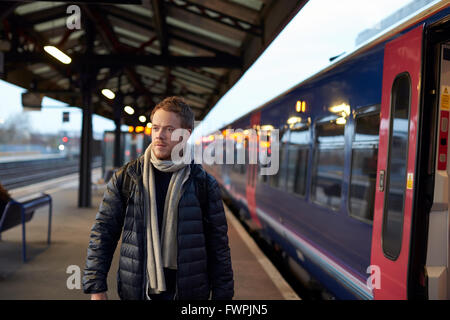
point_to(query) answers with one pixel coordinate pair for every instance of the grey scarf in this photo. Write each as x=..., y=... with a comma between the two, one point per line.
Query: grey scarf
x=161, y=250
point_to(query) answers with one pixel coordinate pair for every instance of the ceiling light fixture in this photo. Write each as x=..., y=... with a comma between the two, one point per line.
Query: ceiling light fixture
x=58, y=54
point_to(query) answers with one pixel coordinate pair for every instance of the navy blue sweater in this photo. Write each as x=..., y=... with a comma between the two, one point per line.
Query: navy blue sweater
x=162, y=180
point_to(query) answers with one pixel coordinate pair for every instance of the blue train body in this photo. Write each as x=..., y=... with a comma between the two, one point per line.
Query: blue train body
x=329, y=243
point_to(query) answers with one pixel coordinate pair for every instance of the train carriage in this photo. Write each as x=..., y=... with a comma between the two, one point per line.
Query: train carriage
x=360, y=200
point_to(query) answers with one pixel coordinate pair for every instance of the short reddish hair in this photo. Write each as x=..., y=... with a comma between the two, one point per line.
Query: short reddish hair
x=180, y=107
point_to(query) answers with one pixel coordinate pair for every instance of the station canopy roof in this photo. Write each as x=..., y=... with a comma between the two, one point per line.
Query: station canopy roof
x=143, y=50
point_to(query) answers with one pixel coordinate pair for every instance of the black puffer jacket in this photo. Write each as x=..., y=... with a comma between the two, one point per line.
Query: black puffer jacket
x=204, y=263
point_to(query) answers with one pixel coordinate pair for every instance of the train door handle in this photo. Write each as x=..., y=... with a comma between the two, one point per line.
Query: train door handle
x=381, y=182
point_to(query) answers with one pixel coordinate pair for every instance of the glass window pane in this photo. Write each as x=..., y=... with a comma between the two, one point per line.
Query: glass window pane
x=330, y=132
x=278, y=180
x=298, y=148
x=329, y=164
x=367, y=128
x=397, y=165
x=261, y=178
x=364, y=166
x=300, y=137
x=297, y=166
x=363, y=181
x=328, y=175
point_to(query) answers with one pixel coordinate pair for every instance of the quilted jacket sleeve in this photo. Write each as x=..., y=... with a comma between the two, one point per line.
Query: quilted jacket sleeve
x=105, y=234
x=219, y=258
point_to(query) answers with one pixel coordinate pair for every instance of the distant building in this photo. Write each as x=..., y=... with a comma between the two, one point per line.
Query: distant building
x=413, y=6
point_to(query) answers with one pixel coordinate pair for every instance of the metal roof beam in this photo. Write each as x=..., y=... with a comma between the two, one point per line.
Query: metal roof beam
x=129, y=60
x=174, y=32
x=274, y=16
x=160, y=25
x=201, y=42
x=212, y=30
x=232, y=9
x=159, y=21
x=101, y=1
x=39, y=41
x=44, y=15
x=108, y=35
x=217, y=16
x=7, y=8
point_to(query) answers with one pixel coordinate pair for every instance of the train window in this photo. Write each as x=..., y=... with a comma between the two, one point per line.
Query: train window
x=330, y=132
x=396, y=166
x=298, y=151
x=329, y=164
x=278, y=180
x=364, y=166
x=262, y=177
x=239, y=151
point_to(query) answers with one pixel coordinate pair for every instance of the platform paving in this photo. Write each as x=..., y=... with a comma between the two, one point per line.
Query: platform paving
x=44, y=275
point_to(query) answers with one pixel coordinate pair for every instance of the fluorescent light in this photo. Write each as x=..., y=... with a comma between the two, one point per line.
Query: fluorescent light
x=142, y=119
x=340, y=108
x=267, y=127
x=58, y=54
x=341, y=120
x=108, y=93
x=129, y=110
x=294, y=120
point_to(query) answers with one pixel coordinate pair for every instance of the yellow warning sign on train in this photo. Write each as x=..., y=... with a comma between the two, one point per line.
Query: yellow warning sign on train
x=409, y=183
x=445, y=98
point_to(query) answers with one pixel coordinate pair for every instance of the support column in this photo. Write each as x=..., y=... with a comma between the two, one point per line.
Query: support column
x=117, y=132
x=88, y=78
x=84, y=189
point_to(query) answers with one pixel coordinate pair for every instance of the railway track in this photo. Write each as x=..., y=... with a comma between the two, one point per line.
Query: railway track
x=22, y=173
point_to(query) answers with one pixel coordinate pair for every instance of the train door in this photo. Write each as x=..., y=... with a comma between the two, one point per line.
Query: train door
x=252, y=172
x=438, y=231
x=396, y=165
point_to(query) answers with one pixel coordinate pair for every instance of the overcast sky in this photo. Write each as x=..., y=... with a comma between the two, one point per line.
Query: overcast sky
x=322, y=29
x=49, y=119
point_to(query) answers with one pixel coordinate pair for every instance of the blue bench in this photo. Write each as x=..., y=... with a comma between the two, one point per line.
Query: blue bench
x=22, y=211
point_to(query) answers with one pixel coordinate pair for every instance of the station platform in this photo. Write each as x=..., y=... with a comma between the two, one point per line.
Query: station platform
x=44, y=275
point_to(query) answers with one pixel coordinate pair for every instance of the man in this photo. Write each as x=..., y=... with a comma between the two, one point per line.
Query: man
x=171, y=218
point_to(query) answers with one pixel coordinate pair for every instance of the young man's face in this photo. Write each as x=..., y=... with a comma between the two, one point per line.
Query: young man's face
x=163, y=124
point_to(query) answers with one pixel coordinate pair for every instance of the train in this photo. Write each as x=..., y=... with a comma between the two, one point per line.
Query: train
x=360, y=199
